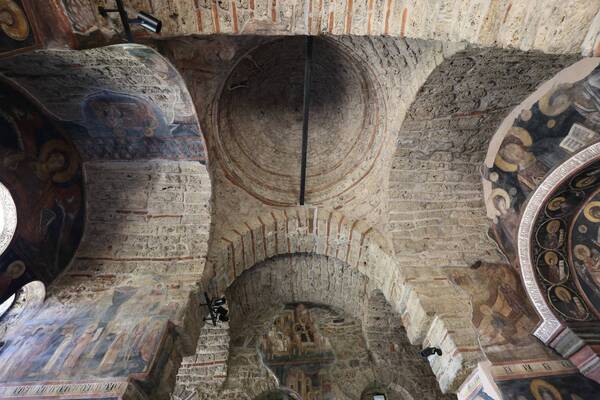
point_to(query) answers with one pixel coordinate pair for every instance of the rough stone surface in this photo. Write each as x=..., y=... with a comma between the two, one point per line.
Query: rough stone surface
x=552, y=26
x=371, y=347
x=393, y=68
x=435, y=184
x=437, y=215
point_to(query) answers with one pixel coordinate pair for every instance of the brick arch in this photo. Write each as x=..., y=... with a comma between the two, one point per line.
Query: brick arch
x=437, y=215
x=229, y=364
x=299, y=230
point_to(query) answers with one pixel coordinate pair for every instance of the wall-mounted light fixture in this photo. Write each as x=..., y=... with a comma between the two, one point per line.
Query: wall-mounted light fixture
x=379, y=397
x=216, y=311
x=146, y=21
x=429, y=351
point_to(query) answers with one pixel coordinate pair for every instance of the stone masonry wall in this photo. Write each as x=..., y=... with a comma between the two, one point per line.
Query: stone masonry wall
x=554, y=26
x=395, y=360
x=256, y=298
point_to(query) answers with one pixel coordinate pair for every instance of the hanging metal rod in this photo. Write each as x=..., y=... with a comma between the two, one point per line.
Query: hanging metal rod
x=124, y=18
x=306, y=103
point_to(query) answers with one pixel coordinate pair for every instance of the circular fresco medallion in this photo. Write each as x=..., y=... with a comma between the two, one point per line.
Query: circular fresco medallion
x=552, y=267
x=585, y=180
x=563, y=203
x=591, y=211
x=551, y=234
x=568, y=303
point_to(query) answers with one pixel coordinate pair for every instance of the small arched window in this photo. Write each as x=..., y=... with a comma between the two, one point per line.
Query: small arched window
x=5, y=306
x=8, y=218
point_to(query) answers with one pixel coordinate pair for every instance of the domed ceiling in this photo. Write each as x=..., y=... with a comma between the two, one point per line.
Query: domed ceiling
x=259, y=122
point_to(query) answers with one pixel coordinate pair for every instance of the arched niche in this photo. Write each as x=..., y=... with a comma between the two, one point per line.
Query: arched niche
x=358, y=325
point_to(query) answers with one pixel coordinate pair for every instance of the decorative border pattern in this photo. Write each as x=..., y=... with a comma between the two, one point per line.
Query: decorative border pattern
x=8, y=218
x=66, y=390
x=550, y=325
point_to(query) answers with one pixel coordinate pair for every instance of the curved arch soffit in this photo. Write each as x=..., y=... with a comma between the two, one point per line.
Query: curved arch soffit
x=341, y=290
x=301, y=230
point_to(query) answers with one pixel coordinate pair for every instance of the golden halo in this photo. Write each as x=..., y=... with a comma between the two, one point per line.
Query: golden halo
x=582, y=252
x=553, y=226
x=521, y=134
x=16, y=268
x=18, y=28
x=551, y=258
x=555, y=203
x=537, y=385
x=589, y=209
x=563, y=294
x=524, y=137
x=71, y=158
x=555, y=101
x=585, y=181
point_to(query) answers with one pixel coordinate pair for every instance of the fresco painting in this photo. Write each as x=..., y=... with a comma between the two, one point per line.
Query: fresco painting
x=125, y=126
x=562, y=387
x=567, y=247
x=561, y=123
x=109, y=114
x=298, y=354
x=16, y=29
x=42, y=171
x=585, y=249
x=139, y=110
x=501, y=312
x=115, y=336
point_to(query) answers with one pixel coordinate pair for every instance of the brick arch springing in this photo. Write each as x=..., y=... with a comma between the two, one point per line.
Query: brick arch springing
x=298, y=230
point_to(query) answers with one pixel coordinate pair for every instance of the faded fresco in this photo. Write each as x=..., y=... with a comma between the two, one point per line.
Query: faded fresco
x=566, y=247
x=298, y=354
x=561, y=123
x=16, y=29
x=501, y=313
x=562, y=387
x=119, y=102
x=585, y=249
x=42, y=171
x=111, y=337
